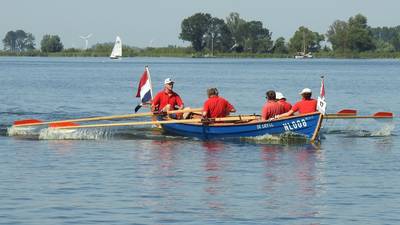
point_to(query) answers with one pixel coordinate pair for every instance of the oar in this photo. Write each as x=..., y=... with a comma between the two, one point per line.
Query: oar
x=344, y=112
x=223, y=119
x=378, y=115
x=34, y=122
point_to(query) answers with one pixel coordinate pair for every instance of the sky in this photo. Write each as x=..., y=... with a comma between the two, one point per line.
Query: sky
x=156, y=23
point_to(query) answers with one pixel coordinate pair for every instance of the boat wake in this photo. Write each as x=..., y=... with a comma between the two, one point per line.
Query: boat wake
x=356, y=131
x=285, y=138
x=74, y=134
x=84, y=134
x=15, y=114
x=23, y=131
x=3, y=131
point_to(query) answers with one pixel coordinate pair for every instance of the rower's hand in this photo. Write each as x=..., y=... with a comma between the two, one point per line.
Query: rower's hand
x=205, y=119
x=273, y=118
x=159, y=113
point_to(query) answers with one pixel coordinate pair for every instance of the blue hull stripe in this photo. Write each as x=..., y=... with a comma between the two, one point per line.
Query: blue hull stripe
x=306, y=125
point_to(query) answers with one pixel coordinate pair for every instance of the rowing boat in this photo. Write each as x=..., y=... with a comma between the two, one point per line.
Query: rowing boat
x=306, y=125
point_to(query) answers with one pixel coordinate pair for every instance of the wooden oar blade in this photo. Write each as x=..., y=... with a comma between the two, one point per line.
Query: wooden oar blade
x=27, y=121
x=347, y=112
x=383, y=115
x=63, y=124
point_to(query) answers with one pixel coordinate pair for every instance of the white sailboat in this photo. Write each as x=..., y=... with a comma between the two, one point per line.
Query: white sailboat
x=117, y=50
x=303, y=55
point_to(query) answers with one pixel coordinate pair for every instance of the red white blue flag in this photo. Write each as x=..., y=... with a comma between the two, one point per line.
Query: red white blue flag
x=321, y=105
x=144, y=90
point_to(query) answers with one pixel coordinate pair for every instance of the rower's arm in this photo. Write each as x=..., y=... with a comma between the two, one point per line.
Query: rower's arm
x=285, y=114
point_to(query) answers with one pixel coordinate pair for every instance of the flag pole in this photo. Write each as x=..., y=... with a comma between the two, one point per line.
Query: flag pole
x=322, y=90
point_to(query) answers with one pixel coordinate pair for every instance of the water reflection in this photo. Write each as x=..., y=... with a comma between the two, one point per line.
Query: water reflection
x=165, y=153
x=292, y=172
x=384, y=144
x=213, y=168
x=212, y=164
x=224, y=177
x=159, y=174
x=62, y=147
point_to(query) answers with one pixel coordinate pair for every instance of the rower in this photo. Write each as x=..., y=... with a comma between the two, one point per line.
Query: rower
x=282, y=100
x=216, y=106
x=167, y=99
x=304, y=106
x=271, y=108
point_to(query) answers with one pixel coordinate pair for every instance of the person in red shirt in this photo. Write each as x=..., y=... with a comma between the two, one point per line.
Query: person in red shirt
x=304, y=106
x=271, y=107
x=167, y=99
x=216, y=106
x=282, y=100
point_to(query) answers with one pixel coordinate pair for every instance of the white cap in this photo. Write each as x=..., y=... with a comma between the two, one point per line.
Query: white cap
x=279, y=95
x=305, y=90
x=168, y=81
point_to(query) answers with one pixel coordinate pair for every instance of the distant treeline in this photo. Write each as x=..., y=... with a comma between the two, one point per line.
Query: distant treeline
x=235, y=37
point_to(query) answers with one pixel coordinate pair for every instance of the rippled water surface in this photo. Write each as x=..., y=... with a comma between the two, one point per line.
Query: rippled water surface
x=140, y=176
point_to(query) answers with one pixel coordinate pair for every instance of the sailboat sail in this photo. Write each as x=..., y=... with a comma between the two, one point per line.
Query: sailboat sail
x=303, y=55
x=117, y=50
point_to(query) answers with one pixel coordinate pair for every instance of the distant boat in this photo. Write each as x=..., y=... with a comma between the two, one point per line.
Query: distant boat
x=117, y=50
x=303, y=55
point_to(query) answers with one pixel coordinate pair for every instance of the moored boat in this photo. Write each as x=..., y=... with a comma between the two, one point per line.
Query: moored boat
x=307, y=125
x=302, y=55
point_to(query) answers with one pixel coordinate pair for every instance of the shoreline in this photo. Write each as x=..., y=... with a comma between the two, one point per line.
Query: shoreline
x=320, y=55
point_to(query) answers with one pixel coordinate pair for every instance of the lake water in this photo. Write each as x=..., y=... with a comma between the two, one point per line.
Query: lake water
x=139, y=176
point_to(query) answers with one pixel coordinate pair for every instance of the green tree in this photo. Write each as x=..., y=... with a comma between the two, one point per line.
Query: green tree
x=237, y=27
x=280, y=46
x=51, y=43
x=305, y=40
x=257, y=38
x=226, y=40
x=388, y=35
x=18, y=41
x=194, y=29
x=396, y=42
x=10, y=41
x=384, y=46
x=360, y=37
x=385, y=33
x=30, y=42
x=338, y=35
x=218, y=36
x=103, y=47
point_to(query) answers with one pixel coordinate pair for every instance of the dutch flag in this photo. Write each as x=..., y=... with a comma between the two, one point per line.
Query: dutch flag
x=144, y=90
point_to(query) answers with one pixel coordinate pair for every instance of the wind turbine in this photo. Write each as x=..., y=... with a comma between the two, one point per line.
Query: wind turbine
x=86, y=40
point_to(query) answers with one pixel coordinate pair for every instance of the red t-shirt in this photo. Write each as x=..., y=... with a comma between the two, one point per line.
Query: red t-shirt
x=305, y=106
x=271, y=108
x=286, y=105
x=216, y=106
x=162, y=99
